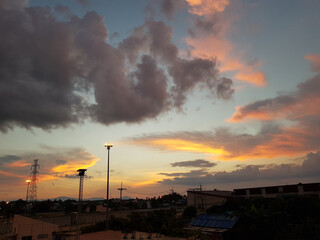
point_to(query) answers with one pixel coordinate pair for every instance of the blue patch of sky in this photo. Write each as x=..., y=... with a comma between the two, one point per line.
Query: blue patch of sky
x=119, y=16
x=279, y=35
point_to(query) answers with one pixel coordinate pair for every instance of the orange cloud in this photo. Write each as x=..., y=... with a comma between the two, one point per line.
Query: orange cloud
x=289, y=143
x=205, y=7
x=9, y=174
x=315, y=61
x=55, y=164
x=254, y=77
x=239, y=115
x=292, y=141
x=21, y=163
x=185, y=145
x=72, y=166
x=272, y=109
x=300, y=107
x=146, y=183
x=219, y=47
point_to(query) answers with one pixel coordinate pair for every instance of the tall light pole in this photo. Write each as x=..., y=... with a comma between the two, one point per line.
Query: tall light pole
x=28, y=184
x=81, y=175
x=108, y=146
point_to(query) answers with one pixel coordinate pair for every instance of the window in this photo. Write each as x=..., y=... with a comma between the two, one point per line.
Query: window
x=240, y=191
x=290, y=189
x=26, y=238
x=254, y=191
x=270, y=190
x=311, y=187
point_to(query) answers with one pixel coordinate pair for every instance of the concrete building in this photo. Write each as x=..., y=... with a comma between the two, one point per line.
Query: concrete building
x=25, y=228
x=203, y=200
x=282, y=190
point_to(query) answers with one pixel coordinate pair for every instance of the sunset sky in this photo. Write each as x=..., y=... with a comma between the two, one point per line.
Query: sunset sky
x=222, y=93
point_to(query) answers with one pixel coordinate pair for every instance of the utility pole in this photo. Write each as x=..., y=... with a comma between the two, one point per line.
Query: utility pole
x=121, y=189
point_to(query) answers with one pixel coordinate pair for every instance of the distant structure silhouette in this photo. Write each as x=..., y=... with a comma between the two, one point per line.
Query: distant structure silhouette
x=81, y=175
x=32, y=185
x=121, y=189
x=77, y=225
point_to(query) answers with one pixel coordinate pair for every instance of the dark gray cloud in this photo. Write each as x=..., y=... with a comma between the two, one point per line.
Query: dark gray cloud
x=82, y=2
x=146, y=97
x=285, y=105
x=63, y=11
x=309, y=88
x=61, y=162
x=49, y=65
x=36, y=88
x=194, y=163
x=203, y=26
x=73, y=176
x=266, y=105
x=169, y=7
x=187, y=74
x=309, y=168
x=161, y=41
x=133, y=45
x=13, y=4
x=224, y=88
x=175, y=174
x=9, y=158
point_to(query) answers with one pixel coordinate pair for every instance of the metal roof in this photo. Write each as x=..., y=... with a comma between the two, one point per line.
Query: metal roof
x=215, y=221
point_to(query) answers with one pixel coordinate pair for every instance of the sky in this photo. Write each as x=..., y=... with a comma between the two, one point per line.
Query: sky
x=219, y=93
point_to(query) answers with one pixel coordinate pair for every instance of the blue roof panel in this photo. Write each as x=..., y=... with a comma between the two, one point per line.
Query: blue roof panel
x=215, y=221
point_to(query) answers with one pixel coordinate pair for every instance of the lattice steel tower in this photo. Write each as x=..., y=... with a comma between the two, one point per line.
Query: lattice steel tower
x=32, y=193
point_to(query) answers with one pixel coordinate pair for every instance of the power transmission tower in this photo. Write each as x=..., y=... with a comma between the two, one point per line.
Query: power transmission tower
x=32, y=193
x=121, y=189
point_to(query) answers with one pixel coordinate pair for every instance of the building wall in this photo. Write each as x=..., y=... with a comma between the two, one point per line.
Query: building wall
x=203, y=200
x=275, y=191
x=25, y=227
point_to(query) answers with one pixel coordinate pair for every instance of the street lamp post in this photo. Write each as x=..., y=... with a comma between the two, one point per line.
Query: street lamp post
x=28, y=184
x=108, y=146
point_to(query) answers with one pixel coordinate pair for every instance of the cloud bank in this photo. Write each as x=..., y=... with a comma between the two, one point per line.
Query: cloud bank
x=289, y=127
x=50, y=68
x=309, y=168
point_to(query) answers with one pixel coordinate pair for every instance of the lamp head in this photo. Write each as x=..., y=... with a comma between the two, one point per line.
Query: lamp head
x=81, y=172
x=28, y=181
x=108, y=145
